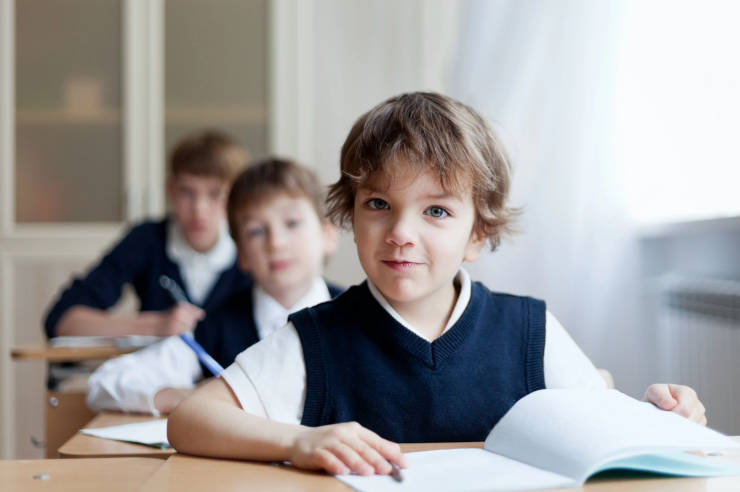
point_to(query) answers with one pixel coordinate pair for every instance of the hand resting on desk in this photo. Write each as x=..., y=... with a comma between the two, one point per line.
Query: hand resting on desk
x=83, y=320
x=344, y=448
x=211, y=422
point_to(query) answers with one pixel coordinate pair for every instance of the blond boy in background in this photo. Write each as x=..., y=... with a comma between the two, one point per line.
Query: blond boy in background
x=191, y=246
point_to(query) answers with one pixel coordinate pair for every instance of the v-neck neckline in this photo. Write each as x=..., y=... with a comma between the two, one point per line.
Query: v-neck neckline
x=432, y=354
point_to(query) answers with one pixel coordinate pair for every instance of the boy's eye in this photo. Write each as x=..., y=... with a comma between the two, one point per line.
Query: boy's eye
x=255, y=232
x=292, y=223
x=437, y=212
x=377, y=204
x=186, y=193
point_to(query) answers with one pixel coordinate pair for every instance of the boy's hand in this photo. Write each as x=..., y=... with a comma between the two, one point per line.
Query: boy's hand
x=344, y=448
x=166, y=399
x=679, y=399
x=179, y=319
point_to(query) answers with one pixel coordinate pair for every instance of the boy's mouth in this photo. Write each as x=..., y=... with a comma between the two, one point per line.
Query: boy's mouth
x=279, y=265
x=196, y=227
x=400, y=265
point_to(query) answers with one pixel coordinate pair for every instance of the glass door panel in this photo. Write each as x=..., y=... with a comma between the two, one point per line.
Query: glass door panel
x=216, y=69
x=68, y=165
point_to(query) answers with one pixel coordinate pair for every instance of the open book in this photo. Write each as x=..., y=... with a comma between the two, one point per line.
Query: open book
x=560, y=438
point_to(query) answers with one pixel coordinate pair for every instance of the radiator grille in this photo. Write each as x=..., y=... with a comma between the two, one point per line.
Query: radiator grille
x=699, y=327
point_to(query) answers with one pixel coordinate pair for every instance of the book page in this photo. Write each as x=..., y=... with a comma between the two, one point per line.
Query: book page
x=460, y=469
x=152, y=433
x=573, y=432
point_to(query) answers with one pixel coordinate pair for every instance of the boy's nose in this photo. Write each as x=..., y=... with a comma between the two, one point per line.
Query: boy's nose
x=200, y=207
x=276, y=239
x=400, y=232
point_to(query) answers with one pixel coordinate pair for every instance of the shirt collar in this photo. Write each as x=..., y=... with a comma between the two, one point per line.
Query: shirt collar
x=269, y=314
x=462, y=278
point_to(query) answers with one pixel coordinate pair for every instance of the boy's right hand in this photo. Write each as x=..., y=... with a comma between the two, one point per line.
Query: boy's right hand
x=343, y=448
x=179, y=319
x=167, y=399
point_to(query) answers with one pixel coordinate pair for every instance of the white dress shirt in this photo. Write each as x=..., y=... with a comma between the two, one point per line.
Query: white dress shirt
x=200, y=271
x=130, y=382
x=277, y=362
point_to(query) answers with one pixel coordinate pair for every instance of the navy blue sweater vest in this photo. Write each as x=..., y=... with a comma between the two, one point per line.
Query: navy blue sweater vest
x=362, y=365
x=231, y=329
x=138, y=259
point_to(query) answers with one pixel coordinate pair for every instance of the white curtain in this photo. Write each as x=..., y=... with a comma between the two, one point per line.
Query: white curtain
x=614, y=113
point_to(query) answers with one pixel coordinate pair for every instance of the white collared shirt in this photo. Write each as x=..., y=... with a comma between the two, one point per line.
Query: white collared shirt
x=277, y=362
x=270, y=315
x=200, y=271
x=130, y=382
x=463, y=297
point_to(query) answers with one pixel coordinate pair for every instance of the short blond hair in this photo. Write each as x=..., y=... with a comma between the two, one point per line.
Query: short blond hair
x=430, y=132
x=210, y=153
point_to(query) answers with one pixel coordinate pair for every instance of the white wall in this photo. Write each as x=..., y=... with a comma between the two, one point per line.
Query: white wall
x=352, y=56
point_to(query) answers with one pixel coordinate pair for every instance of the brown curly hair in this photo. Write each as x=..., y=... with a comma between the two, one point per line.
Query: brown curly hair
x=430, y=132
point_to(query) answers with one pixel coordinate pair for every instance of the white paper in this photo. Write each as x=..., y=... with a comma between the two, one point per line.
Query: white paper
x=127, y=341
x=137, y=341
x=151, y=433
x=82, y=341
x=459, y=469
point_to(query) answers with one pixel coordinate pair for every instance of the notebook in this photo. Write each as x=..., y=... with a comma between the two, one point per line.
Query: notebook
x=559, y=438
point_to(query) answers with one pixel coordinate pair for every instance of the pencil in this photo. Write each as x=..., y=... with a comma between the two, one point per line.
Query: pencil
x=396, y=472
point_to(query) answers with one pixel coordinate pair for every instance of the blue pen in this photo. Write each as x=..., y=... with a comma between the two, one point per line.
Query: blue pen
x=203, y=356
x=179, y=296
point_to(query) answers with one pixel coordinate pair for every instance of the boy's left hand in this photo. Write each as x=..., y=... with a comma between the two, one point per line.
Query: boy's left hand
x=677, y=398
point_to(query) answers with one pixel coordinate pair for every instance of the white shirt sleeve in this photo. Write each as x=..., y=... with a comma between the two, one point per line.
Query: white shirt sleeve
x=565, y=364
x=269, y=378
x=129, y=382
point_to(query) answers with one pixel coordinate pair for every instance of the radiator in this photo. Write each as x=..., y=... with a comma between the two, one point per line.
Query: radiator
x=699, y=342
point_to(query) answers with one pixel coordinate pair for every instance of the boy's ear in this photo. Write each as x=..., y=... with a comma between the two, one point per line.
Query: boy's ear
x=331, y=238
x=474, y=246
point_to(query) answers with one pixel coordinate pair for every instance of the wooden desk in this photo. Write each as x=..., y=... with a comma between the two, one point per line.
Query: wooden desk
x=94, y=475
x=82, y=446
x=65, y=411
x=48, y=353
x=185, y=473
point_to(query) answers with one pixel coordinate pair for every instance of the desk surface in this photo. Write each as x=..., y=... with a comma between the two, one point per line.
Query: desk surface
x=82, y=446
x=44, y=351
x=184, y=473
x=112, y=475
